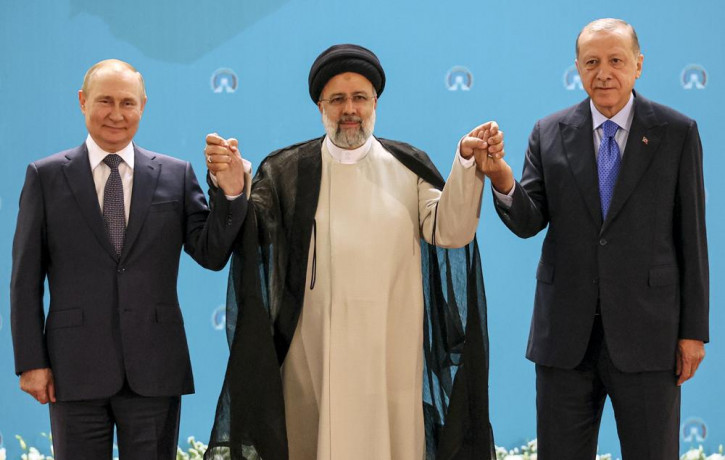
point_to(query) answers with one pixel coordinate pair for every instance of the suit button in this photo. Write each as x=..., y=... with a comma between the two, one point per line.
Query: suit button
x=602, y=242
x=121, y=269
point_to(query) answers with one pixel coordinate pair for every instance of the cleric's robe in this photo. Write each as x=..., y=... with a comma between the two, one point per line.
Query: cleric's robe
x=267, y=288
x=354, y=370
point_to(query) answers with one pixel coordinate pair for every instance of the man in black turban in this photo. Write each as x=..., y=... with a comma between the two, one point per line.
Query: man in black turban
x=354, y=334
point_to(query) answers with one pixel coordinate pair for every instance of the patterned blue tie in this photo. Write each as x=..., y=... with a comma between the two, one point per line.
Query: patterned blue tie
x=114, y=214
x=608, y=164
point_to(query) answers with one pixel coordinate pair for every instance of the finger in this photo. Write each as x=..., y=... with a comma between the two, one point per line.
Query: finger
x=496, y=138
x=233, y=144
x=51, y=391
x=473, y=143
x=42, y=396
x=496, y=150
x=478, y=128
x=247, y=166
x=215, y=139
x=493, y=127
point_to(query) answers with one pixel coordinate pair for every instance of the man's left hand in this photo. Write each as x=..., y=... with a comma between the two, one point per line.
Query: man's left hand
x=690, y=354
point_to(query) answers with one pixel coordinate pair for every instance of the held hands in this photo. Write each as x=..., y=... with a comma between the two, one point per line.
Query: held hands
x=485, y=143
x=226, y=163
x=690, y=354
x=38, y=383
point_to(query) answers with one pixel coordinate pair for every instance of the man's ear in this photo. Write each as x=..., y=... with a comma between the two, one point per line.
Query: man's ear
x=82, y=101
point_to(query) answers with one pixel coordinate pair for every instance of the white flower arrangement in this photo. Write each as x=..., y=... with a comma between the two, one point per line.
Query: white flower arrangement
x=196, y=451
x=529, y=452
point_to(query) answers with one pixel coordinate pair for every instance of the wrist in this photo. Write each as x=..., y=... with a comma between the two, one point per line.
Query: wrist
x=502, y=181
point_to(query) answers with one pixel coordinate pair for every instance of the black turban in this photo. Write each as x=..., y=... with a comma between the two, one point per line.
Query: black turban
x=339, y=59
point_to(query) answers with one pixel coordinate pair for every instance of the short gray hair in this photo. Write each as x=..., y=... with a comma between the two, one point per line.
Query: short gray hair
x=610, y=24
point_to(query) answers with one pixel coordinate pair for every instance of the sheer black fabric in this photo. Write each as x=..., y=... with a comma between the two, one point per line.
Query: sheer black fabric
x=265, y=296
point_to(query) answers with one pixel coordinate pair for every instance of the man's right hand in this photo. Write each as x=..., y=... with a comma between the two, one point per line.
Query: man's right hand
x=38, y=383
x=226, y=163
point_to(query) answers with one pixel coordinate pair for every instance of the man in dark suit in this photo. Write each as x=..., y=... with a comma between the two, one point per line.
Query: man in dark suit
x=105, y=223
x=621, y=307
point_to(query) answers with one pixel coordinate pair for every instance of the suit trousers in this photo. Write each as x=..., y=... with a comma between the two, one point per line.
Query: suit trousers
x=147, y=427
x=569, y=405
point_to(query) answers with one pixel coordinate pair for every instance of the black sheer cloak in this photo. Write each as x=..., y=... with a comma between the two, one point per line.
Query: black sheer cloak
x=265, y=297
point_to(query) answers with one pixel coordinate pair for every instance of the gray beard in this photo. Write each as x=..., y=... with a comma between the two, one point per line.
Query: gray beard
x=348, y=139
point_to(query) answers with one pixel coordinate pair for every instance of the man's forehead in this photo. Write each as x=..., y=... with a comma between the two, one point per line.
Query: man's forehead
x=115, y=74
x=588, y=36
x=346, y=79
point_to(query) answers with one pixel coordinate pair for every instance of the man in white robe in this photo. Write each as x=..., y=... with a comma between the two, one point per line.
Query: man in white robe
x=352, y=374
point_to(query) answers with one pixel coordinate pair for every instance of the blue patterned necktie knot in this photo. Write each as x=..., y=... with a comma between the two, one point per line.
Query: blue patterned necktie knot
x=608, y=163
x=114, y=215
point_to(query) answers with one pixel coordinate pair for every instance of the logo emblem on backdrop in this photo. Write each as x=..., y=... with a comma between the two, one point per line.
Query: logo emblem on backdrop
x=693, y=77
x=219, y=318
x=572, y=80
x=224, y=81
x=693, y=430
x=459, y=78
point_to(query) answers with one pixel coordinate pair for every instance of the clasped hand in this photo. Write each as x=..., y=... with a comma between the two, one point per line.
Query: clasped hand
x=225, y=162
x=485, y=143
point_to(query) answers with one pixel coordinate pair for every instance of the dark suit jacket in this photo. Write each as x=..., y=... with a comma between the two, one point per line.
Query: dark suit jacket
x=111, y=318
x=646, y=264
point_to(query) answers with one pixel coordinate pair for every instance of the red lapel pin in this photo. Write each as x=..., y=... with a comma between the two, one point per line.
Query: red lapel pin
x=645, y=140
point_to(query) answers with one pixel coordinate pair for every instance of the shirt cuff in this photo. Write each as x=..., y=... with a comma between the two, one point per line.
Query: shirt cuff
x=505, y=200
x=216, y=184
x=465, y=162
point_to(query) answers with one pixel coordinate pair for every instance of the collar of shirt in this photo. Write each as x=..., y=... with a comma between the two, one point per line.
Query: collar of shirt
x=96, y=154
x=623, y=118
x=345, y=156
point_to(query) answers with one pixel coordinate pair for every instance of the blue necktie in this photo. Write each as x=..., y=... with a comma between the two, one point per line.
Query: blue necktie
x=114, y=214
x=608, y=164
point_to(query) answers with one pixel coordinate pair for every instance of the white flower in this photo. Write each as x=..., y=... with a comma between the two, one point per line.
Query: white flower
x=2, y=453
x=693, y=454
x=711, y=457
x=33, y=454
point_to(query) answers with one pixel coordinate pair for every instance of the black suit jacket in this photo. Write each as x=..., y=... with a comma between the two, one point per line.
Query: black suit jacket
x=646, y=264
x=111, y=318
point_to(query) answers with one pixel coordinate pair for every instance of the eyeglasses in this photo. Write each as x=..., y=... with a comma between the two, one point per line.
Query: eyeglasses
x=340, y=100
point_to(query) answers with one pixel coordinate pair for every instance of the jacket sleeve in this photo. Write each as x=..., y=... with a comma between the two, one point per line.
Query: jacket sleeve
x=210, y=234
x=30, y=259
x=528, y=213
x=691, y=241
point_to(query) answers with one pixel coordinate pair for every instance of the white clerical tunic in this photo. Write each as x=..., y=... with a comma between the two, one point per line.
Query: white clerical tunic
x=353, y=375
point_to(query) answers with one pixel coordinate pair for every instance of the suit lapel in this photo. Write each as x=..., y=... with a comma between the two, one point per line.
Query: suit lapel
x=644, y=138
x=576, y=134
x=80, y=180
x=145, y=178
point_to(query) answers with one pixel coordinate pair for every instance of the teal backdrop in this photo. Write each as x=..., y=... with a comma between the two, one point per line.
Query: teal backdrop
x=240, y=68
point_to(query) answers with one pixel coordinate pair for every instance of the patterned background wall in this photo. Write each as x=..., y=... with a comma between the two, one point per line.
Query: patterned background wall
x=240, y=68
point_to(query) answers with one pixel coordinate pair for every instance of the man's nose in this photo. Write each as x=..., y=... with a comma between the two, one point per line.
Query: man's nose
x=349, y=107
x=604, y=73
x=116, y=113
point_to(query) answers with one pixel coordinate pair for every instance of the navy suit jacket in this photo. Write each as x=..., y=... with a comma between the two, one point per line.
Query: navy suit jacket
x=111, y=318
x=645, y=264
